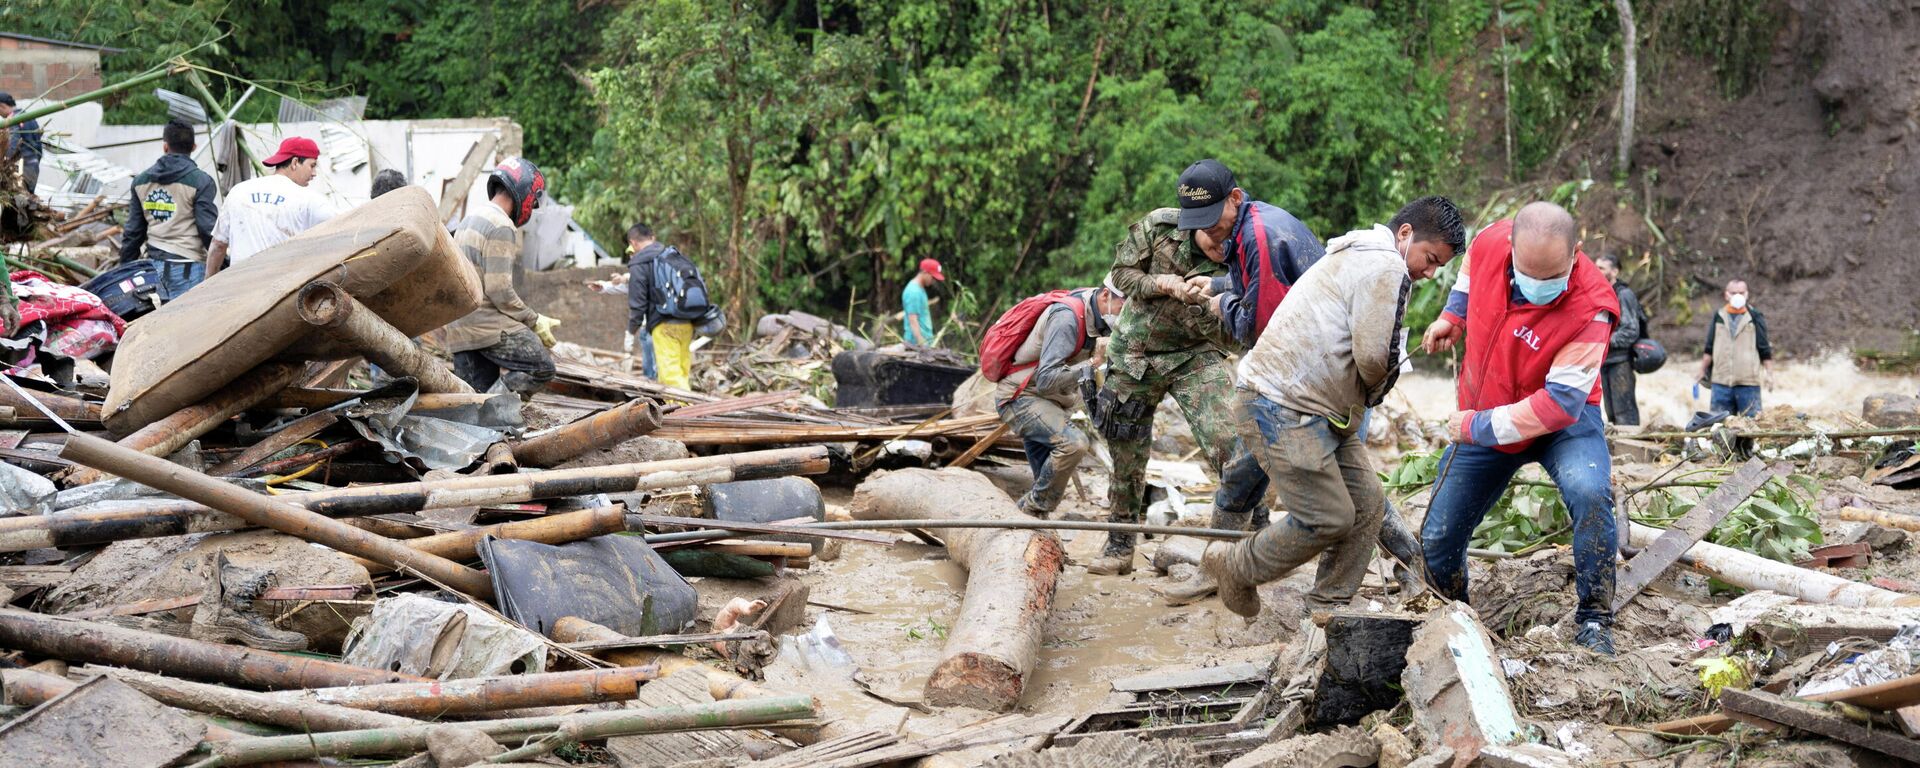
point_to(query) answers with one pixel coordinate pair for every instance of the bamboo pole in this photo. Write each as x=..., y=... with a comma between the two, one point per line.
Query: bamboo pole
x=601, y=430
x=483, y=694
x=160, y=474
x=302, y=716
x=328, y=307
x=1889, y=519
x=30, y=688
x=72, y=409
x=171, y=68
x=60, y=637
x=585, y=725
x=552, y=529
x=1751, y=571
x=172, y=433
x=173, y=518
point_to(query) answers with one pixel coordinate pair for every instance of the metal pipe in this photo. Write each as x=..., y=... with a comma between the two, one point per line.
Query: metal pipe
x=160, y=474
x=601, y=430
x=174, y=518
x=331, y=309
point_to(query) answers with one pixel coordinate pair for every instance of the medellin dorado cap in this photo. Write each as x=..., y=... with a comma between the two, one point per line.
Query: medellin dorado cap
x=1203, y=192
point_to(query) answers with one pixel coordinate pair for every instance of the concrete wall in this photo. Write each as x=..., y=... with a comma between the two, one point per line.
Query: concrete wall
x=588, y=318
x=29, y=69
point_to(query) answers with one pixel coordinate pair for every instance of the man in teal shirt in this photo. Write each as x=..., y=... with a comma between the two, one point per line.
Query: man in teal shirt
x=917, y=327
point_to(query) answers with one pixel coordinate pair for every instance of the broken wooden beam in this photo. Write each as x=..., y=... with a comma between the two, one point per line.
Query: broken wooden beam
x=59, y=637
x=1656, y=557
x=583, y=726
x=172, y=433
x=158, y=473
x=1750, y=571
x=329, y=308
x=287, y=437
x=605, y=429
x=552, y=529
x=174, y=518
x=1807, y=717
x=1887, y=696
x=1011, y=576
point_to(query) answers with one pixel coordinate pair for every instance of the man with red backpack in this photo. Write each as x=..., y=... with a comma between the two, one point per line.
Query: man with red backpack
x=1038, y=386
x=1537, y=316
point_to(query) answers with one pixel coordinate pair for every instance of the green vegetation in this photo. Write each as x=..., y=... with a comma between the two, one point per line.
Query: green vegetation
x=811, y=151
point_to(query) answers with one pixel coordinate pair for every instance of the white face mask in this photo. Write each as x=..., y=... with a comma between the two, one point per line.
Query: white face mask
x=1110, y=320
x=1737, y=301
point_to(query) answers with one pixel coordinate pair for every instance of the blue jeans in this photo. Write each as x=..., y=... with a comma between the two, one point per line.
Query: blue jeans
x=1737, y=399
x=1473, y=478
x=176, y=277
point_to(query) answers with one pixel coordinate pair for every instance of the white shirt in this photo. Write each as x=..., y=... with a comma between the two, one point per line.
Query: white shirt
x=262, y=212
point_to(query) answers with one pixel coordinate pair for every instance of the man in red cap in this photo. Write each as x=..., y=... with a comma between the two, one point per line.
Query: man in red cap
x=263, y=212
x=918, y=328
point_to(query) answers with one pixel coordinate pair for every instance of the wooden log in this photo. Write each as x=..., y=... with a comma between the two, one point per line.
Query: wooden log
x=158, y=473
x=60, y=637
x=484, y=694
x=328, y=307
x=1751, y=571
x=1888, y=519
x=601, y=430
x=584, y=726
x=1011, y=575
x=172, y=433
x=302, y=716
x=1888, y=696
x=173, y=518
x=552, y=529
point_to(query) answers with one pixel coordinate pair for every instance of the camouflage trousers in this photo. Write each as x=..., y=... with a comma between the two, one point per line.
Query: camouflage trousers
x=1054, y=448
x=520, y=363
x=1203, y=390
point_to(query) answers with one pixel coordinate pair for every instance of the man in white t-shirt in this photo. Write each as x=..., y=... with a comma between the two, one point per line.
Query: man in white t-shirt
x=264, y=212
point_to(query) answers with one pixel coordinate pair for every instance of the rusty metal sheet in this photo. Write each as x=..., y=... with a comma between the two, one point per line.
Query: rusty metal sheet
x=1634, y=575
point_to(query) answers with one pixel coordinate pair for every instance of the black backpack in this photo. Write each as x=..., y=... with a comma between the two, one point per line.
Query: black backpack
x=678, y=290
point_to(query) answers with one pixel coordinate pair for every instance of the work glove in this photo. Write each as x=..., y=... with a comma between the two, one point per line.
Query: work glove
x=627, y=343
x=543, y=327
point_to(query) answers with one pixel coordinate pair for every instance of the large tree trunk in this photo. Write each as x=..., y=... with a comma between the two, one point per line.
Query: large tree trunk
x=1011, y=574
x=1629, y=86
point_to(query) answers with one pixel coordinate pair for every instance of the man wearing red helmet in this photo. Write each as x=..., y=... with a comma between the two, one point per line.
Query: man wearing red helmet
x=503, y=341
x=263, y=212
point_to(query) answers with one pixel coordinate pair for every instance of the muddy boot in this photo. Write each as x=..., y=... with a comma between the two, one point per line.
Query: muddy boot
x=226, y=615
x=1196, y=589
x=1026, y=506
x=1116, y=559
x=1241, y=598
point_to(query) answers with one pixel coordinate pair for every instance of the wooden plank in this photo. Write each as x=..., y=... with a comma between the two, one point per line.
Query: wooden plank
x=1890, y=695
x=1634, y=575
x=1909, y=720
x=687, y=687
x=1225, y=674
x=1808, y=718
x=455, y=193
x=34, y=575
x=996, y=730
x=981, y=446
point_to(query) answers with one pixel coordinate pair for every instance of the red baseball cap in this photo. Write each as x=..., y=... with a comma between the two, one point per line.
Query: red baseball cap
x=295, y=146
x=932, y=267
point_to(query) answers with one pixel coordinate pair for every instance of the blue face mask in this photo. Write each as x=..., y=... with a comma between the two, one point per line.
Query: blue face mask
x=1537, y=291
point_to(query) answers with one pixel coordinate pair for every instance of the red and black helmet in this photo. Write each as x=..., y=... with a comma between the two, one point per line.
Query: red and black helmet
x=522, y=182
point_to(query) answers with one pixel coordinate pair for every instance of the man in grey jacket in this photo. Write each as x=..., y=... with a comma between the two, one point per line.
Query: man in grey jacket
x=1332, y=350
x=1039, y=394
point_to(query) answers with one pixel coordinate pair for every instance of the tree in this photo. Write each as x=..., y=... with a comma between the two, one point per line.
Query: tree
x=1629, y=87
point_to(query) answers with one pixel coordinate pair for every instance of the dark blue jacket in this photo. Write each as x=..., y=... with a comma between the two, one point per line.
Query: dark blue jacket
x=1268, y=251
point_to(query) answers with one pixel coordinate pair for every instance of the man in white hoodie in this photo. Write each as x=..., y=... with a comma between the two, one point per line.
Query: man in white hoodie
x=1330, y=351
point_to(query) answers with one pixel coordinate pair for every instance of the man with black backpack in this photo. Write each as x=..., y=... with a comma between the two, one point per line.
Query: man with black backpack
x=666, y=296
x=1616, y=372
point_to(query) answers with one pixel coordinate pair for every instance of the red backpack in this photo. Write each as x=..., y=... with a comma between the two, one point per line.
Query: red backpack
x=1006, y=334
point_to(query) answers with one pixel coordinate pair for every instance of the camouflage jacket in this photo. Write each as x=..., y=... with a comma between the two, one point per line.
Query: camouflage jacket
x=1158, y=334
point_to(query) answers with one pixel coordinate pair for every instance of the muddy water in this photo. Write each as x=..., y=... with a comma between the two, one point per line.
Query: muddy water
x=1102, y=628
x=1828, y=388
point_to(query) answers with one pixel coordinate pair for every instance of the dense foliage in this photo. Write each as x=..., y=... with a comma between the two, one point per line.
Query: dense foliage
x=811, y=151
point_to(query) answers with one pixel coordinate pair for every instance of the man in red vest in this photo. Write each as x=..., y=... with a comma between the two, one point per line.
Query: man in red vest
x=1537, y=316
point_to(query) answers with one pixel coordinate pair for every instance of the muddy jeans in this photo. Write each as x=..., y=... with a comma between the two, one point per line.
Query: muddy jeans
x=1203, y=389
x=1472, y=480
x=1054, y=448
x=1326, y=481
x=519, y=362
x=1616, y=392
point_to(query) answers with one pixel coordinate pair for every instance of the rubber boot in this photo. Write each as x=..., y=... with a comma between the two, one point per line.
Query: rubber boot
x=1202, y=586
x=225, y=613
x=1238, y=596
x=1117, y=558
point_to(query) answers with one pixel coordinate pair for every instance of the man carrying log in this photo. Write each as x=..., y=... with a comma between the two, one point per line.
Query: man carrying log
x=1537, y=316
x=1331, y=351
x=1038, y=394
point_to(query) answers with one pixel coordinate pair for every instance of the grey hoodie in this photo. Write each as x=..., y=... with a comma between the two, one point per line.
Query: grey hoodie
x=1333, y=348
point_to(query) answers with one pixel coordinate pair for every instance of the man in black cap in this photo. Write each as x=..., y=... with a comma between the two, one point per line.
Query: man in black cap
x=23, y=143
x=1168, y=342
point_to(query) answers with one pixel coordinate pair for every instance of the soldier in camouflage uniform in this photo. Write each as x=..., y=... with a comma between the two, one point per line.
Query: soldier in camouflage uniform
x=1167, y=342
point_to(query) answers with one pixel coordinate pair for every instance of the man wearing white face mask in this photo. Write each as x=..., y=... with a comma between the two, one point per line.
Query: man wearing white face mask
x=1738, y=354
x=1038, y=393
